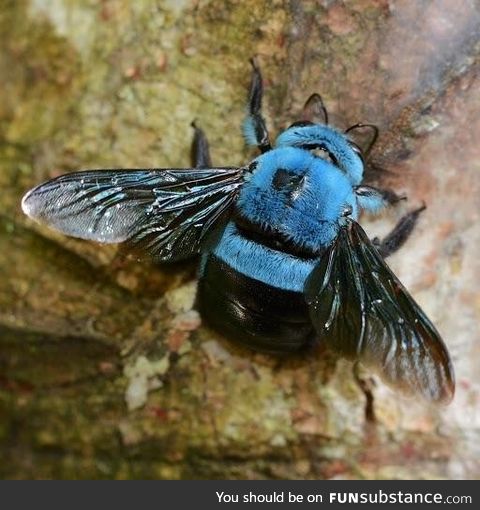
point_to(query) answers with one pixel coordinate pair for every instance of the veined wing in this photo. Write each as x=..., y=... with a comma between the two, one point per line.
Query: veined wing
x=363, y=312
x=167, y=212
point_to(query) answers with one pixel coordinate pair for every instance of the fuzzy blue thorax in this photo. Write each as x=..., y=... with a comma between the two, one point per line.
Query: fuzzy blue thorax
x=334, y=142
x=298, y=195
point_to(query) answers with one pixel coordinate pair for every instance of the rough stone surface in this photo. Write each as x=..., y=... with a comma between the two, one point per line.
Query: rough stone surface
x=104, y=370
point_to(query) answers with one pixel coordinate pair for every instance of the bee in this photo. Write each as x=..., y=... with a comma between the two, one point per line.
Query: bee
x=284, y=263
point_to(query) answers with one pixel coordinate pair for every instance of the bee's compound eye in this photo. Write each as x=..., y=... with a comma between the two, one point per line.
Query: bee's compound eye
x=347, y=210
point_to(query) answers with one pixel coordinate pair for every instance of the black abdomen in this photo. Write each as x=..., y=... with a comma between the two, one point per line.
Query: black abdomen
x=256, y=314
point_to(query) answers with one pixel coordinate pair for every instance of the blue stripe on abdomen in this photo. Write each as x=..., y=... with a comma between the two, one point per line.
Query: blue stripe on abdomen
x=269, y=266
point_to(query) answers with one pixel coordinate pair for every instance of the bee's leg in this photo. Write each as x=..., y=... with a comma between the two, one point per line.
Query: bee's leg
x=366, y=385
x=199, y=151
x=254, y=127
x=401, y=232
x=373, y=200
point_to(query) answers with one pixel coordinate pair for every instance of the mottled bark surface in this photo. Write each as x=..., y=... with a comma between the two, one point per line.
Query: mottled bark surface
x=105, y=371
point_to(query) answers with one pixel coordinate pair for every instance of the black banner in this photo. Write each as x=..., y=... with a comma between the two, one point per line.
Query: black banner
x=230, y=495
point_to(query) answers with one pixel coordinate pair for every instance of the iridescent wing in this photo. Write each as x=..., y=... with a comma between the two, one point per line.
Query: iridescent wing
x=361, y=311
x=166, y=212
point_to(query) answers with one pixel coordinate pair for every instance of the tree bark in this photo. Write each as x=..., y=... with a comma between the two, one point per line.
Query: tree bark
x=105, y=370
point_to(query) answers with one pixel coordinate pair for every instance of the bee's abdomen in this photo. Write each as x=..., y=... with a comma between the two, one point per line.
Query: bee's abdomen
x=261, y=316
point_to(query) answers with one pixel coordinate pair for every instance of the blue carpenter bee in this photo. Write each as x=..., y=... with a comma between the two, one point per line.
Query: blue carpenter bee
x=284, y=263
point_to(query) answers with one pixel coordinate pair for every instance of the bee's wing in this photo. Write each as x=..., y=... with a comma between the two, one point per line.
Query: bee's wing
x=166, y=212
x=362, y=312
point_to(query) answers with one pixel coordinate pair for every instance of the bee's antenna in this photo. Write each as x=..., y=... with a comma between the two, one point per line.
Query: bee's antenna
x=374, y=129
x=314, y=110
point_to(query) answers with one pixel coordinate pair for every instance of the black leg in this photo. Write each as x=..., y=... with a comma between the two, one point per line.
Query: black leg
x=255, y=127
x=373, y=195
x=366, y=386
x=199, y=152
x=373, y=200
x=401, y=232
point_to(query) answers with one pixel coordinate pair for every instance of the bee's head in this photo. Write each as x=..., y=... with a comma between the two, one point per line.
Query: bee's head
x=326, y=142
